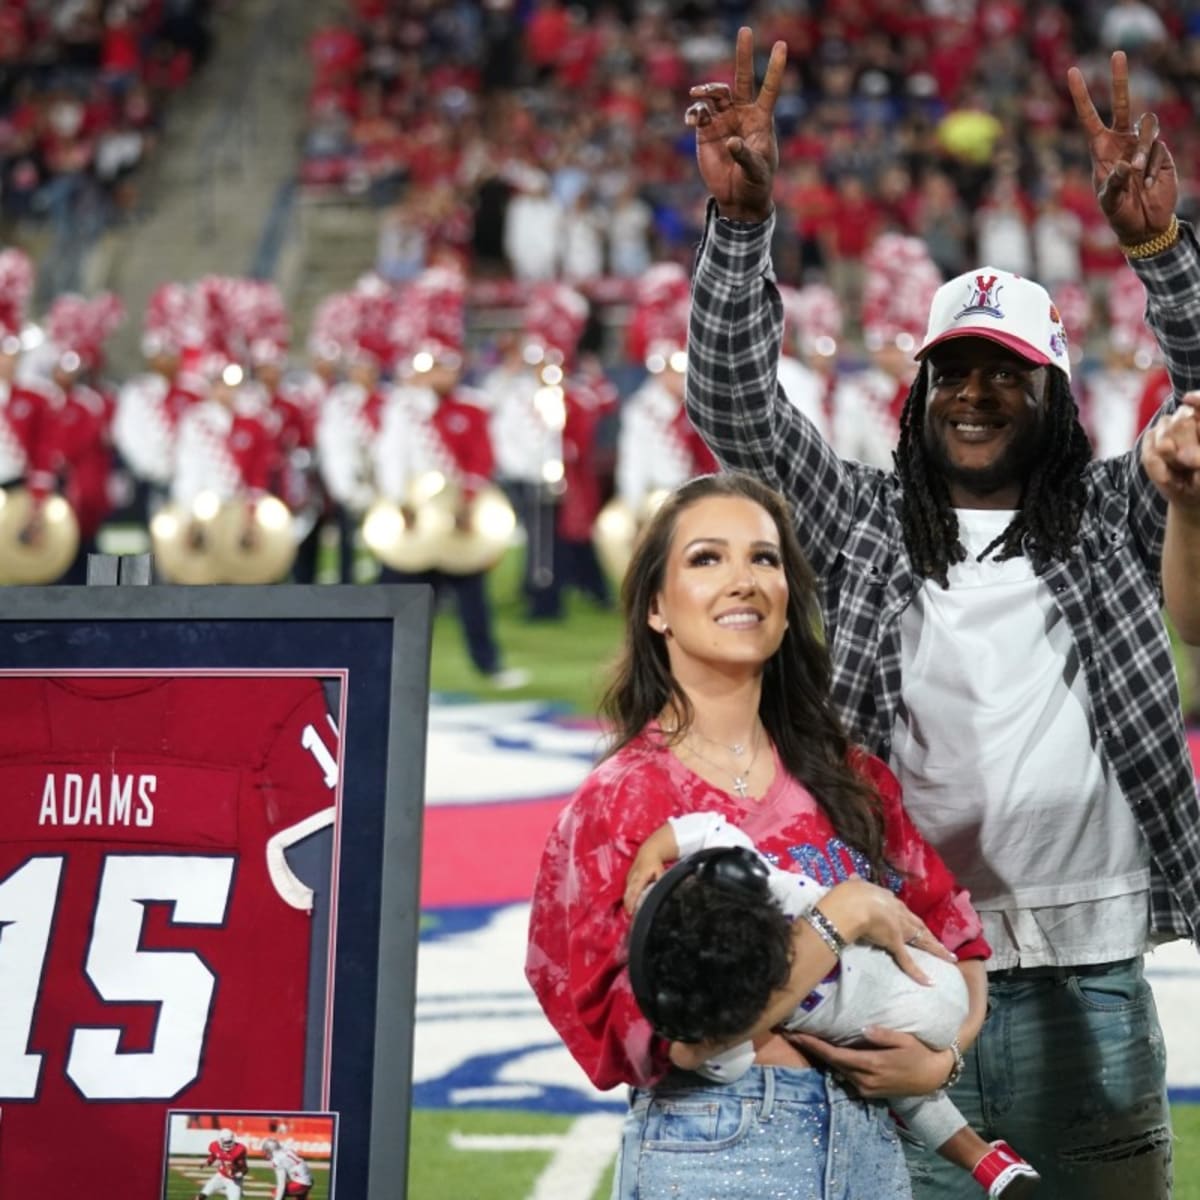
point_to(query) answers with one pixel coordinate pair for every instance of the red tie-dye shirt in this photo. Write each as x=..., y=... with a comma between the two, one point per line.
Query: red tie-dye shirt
x=576, y=960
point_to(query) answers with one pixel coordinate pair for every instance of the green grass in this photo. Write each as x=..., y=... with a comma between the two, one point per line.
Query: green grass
x=439, y=1169
x=1186, y=1120
x=566, y=659
x=184, y=1187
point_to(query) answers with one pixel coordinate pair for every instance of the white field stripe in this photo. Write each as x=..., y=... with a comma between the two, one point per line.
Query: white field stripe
x=492, y=1142
x=1173, y=972
x=495, y=1093
x=580, y=1156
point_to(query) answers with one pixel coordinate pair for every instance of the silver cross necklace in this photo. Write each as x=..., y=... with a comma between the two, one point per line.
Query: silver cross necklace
x=741, y=779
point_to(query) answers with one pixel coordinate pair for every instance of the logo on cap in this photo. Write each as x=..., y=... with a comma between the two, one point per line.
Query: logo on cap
x=985, y=298
x=1058, y=339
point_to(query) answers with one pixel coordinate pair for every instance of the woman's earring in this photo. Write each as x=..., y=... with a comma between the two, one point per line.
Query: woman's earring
x=665, y=629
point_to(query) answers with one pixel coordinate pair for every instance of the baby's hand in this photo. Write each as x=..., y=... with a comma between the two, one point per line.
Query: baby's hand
x=648, y=866
x=649, y=863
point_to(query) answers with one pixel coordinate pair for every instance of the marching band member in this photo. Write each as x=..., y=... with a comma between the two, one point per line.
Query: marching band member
x=295, y=405
x=661, y=287
x=150, y=403
x=534, y=400
x=1130, y=352
x=591, y=399
x=26, y=409
x=899, y=281
x=349, y=420
x=812, y=328
x=1074, y=307
x=84, y=414
x=433, y=424
x=657, y=447
x=227, y=445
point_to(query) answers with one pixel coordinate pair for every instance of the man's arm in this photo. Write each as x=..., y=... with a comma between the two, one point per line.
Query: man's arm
x=736, y=324
x=1138, y=189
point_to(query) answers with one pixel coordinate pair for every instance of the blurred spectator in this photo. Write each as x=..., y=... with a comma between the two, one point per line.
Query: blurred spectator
x=1132, y=25
x=1002, y=224
x=940, y=218
x=1057, y=236
x=533, y=223
x=630, y=223
x=403, y=248
x=845, y=235
x=808, y=205
x=583, y=238
x=82, y=86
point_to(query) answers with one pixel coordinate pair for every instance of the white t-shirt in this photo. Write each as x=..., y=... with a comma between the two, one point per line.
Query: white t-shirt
x=1002, y=770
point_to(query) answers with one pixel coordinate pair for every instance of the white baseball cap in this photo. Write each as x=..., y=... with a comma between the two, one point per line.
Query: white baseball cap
x=1004, y=308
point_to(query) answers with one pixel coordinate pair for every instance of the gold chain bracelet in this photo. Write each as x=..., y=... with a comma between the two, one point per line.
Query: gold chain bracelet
x=1154, y=245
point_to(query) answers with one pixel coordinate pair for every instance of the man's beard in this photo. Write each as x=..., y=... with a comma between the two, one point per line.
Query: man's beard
x=1014, y=465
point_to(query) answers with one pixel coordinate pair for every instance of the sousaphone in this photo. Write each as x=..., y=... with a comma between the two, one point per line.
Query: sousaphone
x=38, y=538
x=181, y=539
x=424, y=533
x=615, y=531
x=254, y=540
x=406, y=537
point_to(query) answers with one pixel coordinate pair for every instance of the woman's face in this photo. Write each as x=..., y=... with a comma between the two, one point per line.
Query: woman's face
x=724, y=595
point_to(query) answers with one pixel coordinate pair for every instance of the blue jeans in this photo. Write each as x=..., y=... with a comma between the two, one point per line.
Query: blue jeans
x=779, y=1132
x=1070, y=1070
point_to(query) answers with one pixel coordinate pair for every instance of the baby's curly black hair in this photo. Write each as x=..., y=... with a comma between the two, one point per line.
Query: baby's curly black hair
x=715, y=955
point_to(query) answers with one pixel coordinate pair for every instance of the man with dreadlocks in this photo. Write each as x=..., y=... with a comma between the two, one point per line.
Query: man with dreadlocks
x=993, y=608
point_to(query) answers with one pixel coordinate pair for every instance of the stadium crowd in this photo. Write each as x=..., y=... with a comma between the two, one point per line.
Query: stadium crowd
x=538, y=211
x=83, y=87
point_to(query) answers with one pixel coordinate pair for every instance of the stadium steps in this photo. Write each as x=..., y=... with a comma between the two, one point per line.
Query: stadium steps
x=231, y=147
x=332, y=242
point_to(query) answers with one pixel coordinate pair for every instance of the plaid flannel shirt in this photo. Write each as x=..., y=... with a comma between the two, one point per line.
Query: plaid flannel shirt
x=848, y=518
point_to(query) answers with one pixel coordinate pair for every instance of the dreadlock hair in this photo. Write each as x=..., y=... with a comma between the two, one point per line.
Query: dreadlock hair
x=796, y=708
x=1051, y=506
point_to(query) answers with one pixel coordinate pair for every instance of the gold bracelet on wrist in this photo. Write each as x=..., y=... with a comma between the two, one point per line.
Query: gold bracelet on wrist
x=1155, y=245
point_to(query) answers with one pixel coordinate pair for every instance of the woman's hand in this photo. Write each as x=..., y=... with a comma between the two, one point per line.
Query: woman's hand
x=735, y=134
x=865, y=912
x=891, y=1064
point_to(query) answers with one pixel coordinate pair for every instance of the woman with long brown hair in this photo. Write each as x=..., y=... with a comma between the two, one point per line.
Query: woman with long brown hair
x=720, y=702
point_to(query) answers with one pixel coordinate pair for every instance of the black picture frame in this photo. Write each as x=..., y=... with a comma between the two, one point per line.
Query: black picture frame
x=377, y=638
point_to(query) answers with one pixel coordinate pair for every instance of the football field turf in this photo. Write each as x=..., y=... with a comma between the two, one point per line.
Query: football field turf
x=451, y=1156
x=477, y=1029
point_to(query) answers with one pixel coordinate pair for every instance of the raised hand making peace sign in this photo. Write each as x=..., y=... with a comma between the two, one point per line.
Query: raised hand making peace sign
x=1132, y=171
x=735, y=134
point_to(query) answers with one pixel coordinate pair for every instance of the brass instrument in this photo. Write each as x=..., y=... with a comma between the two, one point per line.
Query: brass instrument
x=616, y=530
x=38, y=539
x=254, y=540
x=403, y=537
x=424, y=533
x=181, y=540
x=236, y=541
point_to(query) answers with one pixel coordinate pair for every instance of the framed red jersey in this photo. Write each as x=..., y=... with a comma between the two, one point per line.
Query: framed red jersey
x=209, y=857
